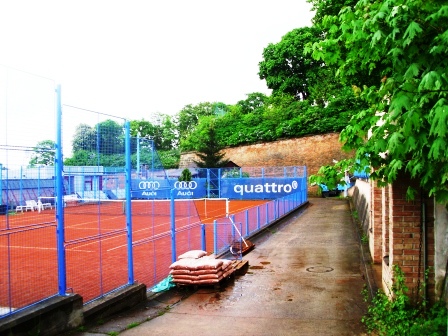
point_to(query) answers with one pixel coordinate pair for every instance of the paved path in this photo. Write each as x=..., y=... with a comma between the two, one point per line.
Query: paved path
x=305, y=278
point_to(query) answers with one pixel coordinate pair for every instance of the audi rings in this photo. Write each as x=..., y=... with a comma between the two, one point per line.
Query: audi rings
x=182, y=185
x=154, y=185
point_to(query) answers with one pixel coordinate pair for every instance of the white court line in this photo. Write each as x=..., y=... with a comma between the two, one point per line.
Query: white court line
x=78, y=246
x=39, y=248
x=5, y=310
x=141, y=230
x=75, y=226
x=28, y=247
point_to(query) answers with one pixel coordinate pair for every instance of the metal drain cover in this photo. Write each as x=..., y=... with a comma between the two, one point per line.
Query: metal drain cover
x=319, y=269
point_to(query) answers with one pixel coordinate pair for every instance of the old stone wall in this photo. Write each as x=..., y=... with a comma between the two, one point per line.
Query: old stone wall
x=311, y=151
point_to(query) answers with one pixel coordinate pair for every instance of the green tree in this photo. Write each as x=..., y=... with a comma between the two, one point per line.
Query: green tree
x=169, y=159
x=209, y=149
x=185, y=175
x=166, y=135
x=44, y=154
x=162, y=129
x=404, y=46
x=322, y=8
x=82, y=158
x=111, y=137
x=287, y=68
x=106, y=137
x=142, y=128
x=188, y=118
x=84, y=138
x=254, y=102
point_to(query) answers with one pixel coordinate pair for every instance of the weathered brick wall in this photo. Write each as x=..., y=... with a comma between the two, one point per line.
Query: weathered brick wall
x=312, y=152
x=403, y=240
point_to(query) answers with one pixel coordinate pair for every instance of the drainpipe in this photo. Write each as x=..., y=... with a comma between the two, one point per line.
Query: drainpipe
x=424, y=249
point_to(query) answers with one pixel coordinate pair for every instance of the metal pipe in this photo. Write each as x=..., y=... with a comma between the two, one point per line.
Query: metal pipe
x=424, y=249
x=173, y=228
x=62, y=282
x=128, y=205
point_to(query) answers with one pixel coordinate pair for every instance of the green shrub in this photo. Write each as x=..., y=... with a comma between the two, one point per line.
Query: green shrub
x=398, y=316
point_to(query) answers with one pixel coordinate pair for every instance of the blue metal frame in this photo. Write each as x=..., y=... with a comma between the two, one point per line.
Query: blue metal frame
x=128, y=172
x=62, y=281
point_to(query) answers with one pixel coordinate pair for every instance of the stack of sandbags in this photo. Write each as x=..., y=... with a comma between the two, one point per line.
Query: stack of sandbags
x=196, y=268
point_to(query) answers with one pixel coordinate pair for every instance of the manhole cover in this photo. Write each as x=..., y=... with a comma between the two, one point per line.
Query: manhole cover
x=319, y=269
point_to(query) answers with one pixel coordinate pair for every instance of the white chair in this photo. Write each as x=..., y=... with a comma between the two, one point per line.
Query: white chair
x=32, y=205
x=21, y=208
x=43, y=206
x=29, y=206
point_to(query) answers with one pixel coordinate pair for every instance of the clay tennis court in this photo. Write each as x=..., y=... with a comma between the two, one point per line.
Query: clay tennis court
x=96, y=247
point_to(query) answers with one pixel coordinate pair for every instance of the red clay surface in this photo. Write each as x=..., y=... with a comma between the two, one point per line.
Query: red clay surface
x=96, y=247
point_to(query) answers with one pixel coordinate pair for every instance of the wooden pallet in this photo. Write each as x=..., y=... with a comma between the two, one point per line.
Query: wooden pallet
x=240, y=266
x=216, y=285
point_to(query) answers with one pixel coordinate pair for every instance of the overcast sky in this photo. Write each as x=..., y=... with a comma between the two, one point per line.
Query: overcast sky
x=135, y=58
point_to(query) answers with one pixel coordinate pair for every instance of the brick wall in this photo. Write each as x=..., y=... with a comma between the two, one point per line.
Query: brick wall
x=397, y=233
x=376, y=223
x=312, y=152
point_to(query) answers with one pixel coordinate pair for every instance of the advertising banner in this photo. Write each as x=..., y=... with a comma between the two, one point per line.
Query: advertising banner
x=161, y=189
x=260, y=188
x=232, y=188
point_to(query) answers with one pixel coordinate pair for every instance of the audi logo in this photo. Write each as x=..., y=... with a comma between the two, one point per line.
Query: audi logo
x=185, y=185
x=154, y=185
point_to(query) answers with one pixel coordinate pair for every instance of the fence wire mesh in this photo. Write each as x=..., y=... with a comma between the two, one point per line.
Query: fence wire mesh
x=115, y=216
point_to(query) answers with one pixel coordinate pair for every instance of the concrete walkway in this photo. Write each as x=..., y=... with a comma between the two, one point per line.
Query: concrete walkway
x=305, y=277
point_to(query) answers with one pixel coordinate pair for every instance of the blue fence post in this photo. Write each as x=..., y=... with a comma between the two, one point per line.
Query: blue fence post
x=38, y=183
x=247, y=222
x=208, y=183
x=203, y=236
x=21, y=185
x=278, y=208
x=219, y=182
x=306, y=184
x=267, y=213
x=173, y=227
x=60, y=234
x=128, y=210
x=215, y=237
x=275, y=209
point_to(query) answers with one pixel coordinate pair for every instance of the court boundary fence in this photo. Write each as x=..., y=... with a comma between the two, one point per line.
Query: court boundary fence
x=147, y=257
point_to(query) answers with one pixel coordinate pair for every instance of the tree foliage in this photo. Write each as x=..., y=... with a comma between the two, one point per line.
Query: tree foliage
x=110, y=137
x=163, y=131
x=44, y=154
x=286, y=68
x=322, y=8
x=189, y=116
x=253, y=103
x=185, y=175
x=210, y=150
x=106, y=138
x=84, y=138
x=404, y=46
